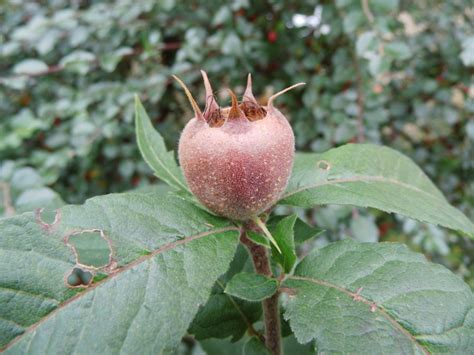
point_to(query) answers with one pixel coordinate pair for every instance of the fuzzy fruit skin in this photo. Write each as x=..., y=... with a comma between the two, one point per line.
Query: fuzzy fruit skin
x=240, y=169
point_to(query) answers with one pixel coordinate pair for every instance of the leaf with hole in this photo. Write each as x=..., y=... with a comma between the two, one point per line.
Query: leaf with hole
x=352, y=297
x=165, y=255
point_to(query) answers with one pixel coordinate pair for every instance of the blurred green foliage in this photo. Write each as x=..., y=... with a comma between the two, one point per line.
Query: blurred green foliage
x=392, y=72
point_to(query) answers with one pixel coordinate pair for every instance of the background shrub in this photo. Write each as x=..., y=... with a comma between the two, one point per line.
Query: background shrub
x=382, y=71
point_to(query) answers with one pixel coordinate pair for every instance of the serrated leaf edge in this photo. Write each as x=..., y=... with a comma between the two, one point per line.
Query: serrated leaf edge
x=373, y=307
x=129, y=266
x=460, y=218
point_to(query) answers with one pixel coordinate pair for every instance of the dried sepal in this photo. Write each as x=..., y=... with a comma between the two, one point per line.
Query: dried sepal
x=274, y=96
x=196, y=109
x=212, y=112
x=248, y=94
x=235, y=113
x=252, y=110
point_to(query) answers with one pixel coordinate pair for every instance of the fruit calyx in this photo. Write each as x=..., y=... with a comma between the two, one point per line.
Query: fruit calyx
x=248, y=109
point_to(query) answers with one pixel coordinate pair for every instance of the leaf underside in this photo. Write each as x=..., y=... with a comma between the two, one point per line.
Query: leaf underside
x=371, y=176
x=354, y=297
x=165, y=255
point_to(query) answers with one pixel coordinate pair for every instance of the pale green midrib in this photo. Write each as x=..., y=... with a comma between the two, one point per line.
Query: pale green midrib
x=145, y=137
x=129, y=266
x=262, y=284
x=361, y=178
x=459, y=217
x=379, y=308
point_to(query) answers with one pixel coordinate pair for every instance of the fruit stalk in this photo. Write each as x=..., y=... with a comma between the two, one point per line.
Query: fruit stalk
x=271, y=312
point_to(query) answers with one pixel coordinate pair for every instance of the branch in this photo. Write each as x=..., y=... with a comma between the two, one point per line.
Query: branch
x=270, y=306
x=7, y=200
x=367, y=12
x=360, y=101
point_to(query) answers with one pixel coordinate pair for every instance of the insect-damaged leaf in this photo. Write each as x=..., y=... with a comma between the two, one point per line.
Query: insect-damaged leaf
x=167, y=254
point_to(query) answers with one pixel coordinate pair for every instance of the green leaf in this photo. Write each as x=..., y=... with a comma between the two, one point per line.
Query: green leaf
x=255, y=347
x=364, y=229
x=398, y=50
x=371, y=176
x=30, y=67
x=385, y=5
x=165, y=255
x=224, y=316
x=367, y=44
x=283, y=234
x=153, y=150
x=78, y=61
x=352, y=20
x=379, y=64
x=291, y=346
x=251, y=287
x=258, y=238
x=467, y=54
x=220, y=346
x=302, y=230
x=365, y=298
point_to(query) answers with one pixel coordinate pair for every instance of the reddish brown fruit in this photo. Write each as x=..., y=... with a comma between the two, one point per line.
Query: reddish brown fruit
x=237, y=160
x=272, y=36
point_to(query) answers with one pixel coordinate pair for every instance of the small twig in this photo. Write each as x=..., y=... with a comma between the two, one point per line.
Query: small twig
x=360, y=101
x=367, y=12
x=270, y=306
x=7, y=200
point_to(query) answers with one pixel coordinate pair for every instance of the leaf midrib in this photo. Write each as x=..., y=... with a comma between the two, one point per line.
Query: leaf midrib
x=360, y=178
x=129, y=266
x=360, y=298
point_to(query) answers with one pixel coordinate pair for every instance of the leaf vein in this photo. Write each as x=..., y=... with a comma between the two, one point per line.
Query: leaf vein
x=384, y=313
x=129, y=266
